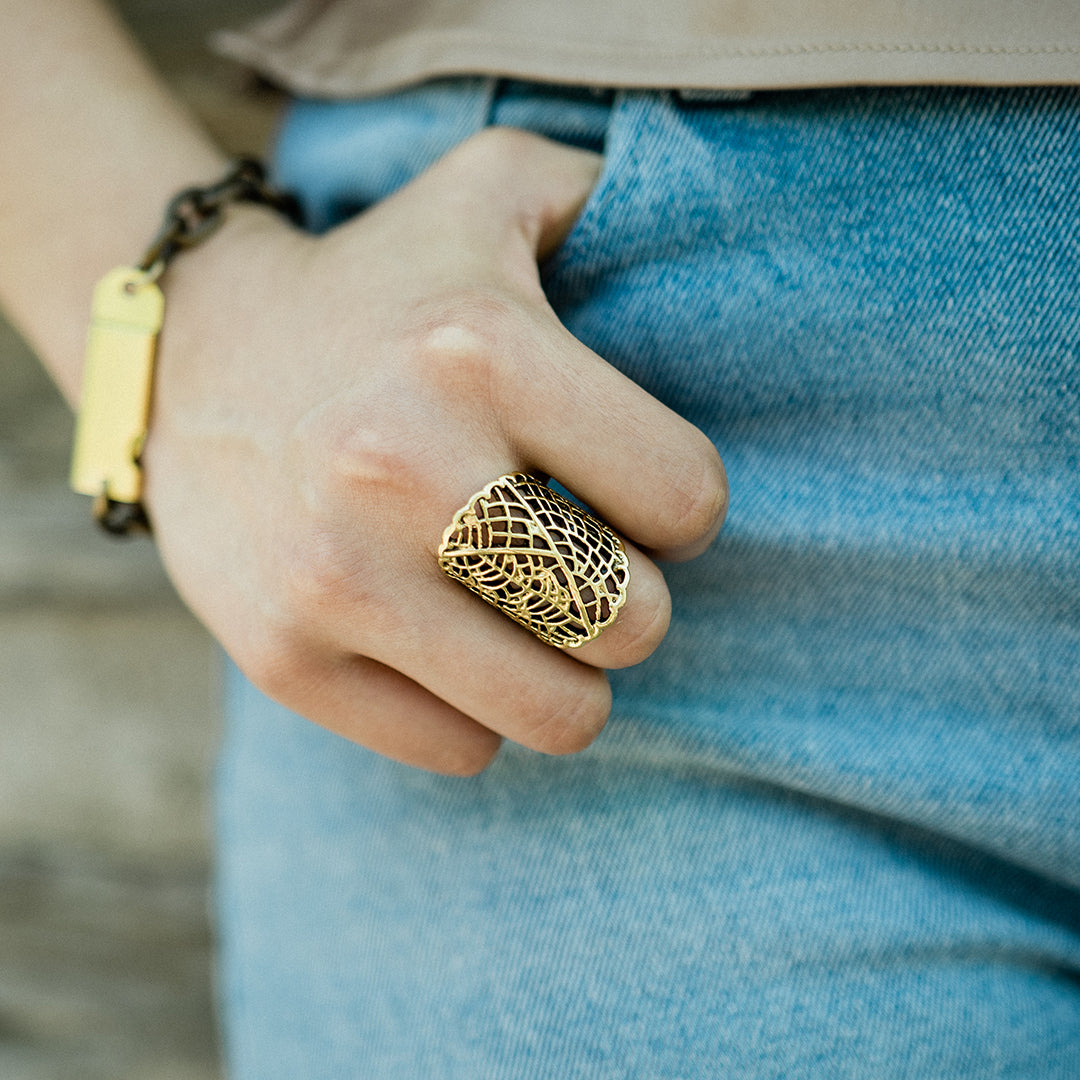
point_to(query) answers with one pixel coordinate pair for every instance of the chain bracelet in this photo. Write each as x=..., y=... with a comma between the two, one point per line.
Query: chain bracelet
x=194, y=213
x=126, y=318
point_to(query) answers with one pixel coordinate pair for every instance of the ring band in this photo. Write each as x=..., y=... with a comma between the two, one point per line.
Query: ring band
x=538, y=558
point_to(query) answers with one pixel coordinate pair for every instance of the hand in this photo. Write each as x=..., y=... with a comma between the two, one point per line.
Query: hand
x=324, y=405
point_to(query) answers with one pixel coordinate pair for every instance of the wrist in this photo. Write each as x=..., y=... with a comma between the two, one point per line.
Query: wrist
x=122, y=344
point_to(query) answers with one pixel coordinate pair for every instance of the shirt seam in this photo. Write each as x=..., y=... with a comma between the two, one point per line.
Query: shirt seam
x=793, y=49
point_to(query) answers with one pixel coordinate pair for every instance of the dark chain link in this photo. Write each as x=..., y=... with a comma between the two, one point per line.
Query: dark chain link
x=121, y=518
x=196, y=212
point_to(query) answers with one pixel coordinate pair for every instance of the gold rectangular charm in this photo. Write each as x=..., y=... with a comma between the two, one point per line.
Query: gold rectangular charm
x=116, y=382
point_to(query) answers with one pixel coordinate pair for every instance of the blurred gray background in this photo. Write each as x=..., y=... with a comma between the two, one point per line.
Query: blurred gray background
x=109, y=714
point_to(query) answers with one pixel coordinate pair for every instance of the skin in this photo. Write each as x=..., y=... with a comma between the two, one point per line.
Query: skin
x=324, y=405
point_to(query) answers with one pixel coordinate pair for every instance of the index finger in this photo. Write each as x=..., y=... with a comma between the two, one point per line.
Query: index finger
x=651, y=474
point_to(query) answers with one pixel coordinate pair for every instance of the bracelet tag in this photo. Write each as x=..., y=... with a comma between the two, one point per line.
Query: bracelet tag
x=116, y=383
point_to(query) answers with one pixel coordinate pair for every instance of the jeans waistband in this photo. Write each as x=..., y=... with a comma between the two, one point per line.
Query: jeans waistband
x=574, y=115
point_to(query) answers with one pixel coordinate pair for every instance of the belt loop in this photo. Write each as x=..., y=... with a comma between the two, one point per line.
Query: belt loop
x=702, y=96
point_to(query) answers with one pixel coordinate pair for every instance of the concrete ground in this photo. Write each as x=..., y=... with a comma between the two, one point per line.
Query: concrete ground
x=109, y=719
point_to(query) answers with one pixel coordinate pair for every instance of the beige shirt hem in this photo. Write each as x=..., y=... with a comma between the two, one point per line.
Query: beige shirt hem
x=760, y=65
x=341, y=48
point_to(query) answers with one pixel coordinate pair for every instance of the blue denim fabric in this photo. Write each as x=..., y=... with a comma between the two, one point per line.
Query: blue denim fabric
x=833, y=827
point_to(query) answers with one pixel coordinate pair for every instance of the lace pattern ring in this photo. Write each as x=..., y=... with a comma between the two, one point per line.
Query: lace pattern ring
x=539, y=559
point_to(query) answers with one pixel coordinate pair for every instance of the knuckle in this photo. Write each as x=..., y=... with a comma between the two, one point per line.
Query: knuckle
x=359, y=446
x=374, y=466
x=573, y=724
x=316, y=576
x=456, y=355
x=638, y=631
x=701, y=502
x=328, y=590
x=459, y=343
x=467, y=760
x=368, y=455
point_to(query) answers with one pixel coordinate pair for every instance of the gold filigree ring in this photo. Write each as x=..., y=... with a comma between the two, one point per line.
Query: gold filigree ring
x=539, y=559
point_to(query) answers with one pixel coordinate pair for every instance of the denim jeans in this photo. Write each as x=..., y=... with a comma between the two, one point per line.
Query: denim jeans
x=833, y=826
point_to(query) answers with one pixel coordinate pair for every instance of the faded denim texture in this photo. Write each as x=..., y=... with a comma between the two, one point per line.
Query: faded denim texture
x=833, y=827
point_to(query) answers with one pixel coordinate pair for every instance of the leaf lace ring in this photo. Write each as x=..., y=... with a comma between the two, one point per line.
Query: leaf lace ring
x=539, y=559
